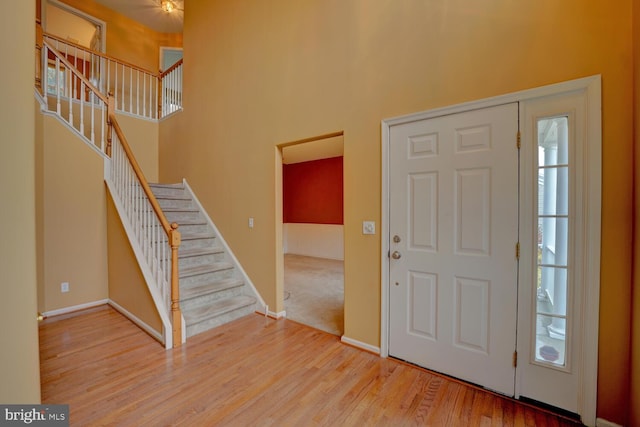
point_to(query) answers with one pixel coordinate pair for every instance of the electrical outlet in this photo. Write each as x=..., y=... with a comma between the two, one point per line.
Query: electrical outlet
x=64, y=287
x=250, y=222
x=368, y=227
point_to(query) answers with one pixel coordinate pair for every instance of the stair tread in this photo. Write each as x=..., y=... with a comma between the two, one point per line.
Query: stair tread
x=159, y=185
x=172, y=197
x=202, y=269
x=186, y=253
x=216, y=308
x=183, y=209
x=201, y=235
x=196, y=221
x=208, y=288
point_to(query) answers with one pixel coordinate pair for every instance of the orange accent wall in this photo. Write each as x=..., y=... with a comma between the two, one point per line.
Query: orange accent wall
x=312, y=192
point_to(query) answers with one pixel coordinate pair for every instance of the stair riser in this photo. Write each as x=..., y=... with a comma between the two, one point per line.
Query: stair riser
x=175, y=204
x=219, y=320
x=167, y=191
x=192, y=228
x=182, y=216
x=211, y=297
x=209, y=242
x=199, y=260
x=205, y=278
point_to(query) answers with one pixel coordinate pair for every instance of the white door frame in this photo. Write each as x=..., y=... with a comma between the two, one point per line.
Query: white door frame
x=591, y=297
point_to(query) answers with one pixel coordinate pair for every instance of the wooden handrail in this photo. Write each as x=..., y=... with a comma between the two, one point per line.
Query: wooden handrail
x=138, y=171
x=170, y=229
x=79, y=75
x=100, y=54
x=170, y=69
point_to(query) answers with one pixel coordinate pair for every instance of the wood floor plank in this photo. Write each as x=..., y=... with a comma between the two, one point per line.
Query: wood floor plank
x=254, y=371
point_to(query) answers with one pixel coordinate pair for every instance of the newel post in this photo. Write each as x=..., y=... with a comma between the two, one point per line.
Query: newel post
x=176, y=314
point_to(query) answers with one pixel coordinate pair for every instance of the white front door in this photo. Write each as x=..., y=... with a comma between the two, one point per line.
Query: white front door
x=453, y=225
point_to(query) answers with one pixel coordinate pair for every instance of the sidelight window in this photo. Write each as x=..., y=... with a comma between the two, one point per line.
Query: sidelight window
x=553, y=269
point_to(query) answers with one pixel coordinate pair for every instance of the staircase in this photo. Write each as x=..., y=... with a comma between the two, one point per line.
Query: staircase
x=212, y=291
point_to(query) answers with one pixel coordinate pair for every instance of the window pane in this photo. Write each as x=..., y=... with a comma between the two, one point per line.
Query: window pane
x=553, y=136
x=552, y=292
x=553, y=189
x=550, y=346
x=553, y=237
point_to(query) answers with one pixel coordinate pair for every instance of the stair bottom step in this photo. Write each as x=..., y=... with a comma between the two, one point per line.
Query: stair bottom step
x=203, y=318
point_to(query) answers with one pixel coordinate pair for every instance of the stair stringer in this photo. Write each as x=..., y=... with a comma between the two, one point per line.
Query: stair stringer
x=227, y=250
x=152, y=286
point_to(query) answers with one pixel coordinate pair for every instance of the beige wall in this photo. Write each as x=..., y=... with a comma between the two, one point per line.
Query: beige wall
x=264, y=73
x=634, y=416
x=19, y=361
x=142, y=136
x=129, y=40
x=74, y=220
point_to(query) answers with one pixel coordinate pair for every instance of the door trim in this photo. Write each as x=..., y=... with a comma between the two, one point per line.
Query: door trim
x=591, y=297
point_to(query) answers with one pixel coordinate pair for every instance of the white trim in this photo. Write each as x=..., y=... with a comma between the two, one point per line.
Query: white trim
x=592, y=86
x=162, y=51
x=79, y=13
x=279, y=315
x=228, y=250
x=65, y=123
x=71, y=309
x=359, y=344
x=163, y=311
x=135, y=319
x=604, y=423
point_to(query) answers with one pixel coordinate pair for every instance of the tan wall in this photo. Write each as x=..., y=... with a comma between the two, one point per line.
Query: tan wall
x=74, y=220
x=19, y=360
x=127, y=286
x=142, y=136
x=264, y=73
x=128, y=40
x=634, y=416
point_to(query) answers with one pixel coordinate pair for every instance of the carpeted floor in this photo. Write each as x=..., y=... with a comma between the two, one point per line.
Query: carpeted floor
x=314, y=292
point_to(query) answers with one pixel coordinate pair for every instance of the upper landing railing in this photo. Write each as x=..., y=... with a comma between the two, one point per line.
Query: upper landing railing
x=136, y=91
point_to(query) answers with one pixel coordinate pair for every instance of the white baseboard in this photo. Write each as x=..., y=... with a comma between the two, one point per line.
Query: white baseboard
x=71, y=309
x=360, y=345
x=278, y=315
x=604, y=423
x=135, y=319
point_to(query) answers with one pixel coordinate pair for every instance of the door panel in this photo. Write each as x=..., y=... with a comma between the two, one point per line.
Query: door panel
x=454, y=206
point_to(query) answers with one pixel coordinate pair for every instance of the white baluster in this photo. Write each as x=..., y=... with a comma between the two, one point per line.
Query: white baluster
x=57, y=84
x=122, y=106
x=131, y=90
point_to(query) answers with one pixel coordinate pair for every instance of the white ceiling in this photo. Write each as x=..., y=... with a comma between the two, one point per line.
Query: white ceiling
x=149, y=13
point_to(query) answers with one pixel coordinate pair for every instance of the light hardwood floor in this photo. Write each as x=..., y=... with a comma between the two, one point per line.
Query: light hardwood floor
x=252, y=372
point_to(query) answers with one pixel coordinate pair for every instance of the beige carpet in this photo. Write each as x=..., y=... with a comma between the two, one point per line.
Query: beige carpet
x=314, y=292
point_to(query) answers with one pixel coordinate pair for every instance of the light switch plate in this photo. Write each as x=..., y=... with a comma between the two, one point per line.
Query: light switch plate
x=368, y=227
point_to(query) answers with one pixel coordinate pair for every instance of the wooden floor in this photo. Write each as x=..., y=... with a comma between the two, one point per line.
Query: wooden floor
x=252, y=372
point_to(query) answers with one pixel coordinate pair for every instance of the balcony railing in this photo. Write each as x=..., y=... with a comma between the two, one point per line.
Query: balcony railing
x=136, y=91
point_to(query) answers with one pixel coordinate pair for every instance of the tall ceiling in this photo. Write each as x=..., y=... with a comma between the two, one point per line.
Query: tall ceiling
x=149, y=13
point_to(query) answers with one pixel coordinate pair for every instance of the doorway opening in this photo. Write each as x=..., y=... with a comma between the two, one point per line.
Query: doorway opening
x=74, y=26
x=312, y=232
